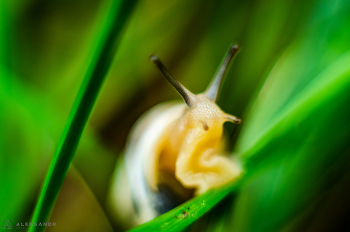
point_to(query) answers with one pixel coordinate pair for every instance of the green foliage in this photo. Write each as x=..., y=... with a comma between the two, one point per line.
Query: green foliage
x=20, y=164
x=81, y=111
x=290, y=83
x=182, y=216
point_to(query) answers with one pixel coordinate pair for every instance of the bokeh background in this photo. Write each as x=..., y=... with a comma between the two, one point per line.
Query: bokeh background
x=290, y=85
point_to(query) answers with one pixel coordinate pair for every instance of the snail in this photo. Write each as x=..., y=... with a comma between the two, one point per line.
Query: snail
x=174, y=152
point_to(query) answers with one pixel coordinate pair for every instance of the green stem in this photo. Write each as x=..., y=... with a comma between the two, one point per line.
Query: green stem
x=81, y=111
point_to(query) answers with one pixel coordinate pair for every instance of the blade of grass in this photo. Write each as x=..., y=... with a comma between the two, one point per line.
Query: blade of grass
x=334, y=74
x=294, y=71
x=182, y=216
x=81, y=110
x=301, y=157
x=23, y=149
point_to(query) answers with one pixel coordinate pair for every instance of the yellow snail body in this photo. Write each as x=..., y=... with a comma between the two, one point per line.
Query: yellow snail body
x=175, y=151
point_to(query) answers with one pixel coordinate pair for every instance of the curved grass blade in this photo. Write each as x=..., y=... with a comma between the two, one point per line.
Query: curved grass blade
x=81, y=110
x=301, y=158
x=21, y=154
x=292, y=74
x=332, y=75
x=182, y=216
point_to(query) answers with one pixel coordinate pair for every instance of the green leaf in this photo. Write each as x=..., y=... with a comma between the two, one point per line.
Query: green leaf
x=306, y=58
x=24, y=149
x=300, y=158
x=179, y=218
x=301, y=150
x=81, y=110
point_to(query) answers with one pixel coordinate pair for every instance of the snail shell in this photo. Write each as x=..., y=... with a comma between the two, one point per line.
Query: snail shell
x=174, y=152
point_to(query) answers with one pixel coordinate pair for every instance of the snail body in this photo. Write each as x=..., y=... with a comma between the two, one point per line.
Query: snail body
x=174, y=152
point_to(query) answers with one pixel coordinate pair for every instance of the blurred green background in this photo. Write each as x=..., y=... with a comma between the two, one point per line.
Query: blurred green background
x=290, y=84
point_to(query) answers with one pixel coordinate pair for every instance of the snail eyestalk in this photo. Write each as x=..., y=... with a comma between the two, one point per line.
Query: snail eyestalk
x=188, y=97
x=233, y=119
x=214, y=87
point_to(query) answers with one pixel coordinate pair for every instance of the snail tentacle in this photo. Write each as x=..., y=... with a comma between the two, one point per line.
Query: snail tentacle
x=214, y=87
x=188, y=97
x=233, y=119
